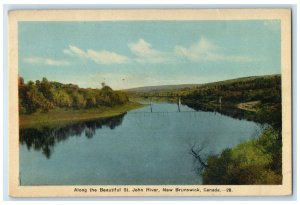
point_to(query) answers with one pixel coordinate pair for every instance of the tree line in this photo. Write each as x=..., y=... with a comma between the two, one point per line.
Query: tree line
x=267, y=89
x=45, y=95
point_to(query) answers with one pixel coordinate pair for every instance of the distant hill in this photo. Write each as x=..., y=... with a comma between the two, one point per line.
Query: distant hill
x=243, y=79
x=184, y=88
x=161, y=88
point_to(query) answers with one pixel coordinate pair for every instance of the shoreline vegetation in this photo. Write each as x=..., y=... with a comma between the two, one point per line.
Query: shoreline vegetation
x=52, y=103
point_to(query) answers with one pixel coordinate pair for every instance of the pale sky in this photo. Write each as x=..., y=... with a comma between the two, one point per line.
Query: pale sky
x=142, y=53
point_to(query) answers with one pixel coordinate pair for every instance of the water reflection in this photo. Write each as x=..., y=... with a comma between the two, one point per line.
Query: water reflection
x=226, y=110
x=44, y=139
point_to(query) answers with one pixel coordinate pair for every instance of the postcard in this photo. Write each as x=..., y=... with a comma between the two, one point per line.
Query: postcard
x=150, y=102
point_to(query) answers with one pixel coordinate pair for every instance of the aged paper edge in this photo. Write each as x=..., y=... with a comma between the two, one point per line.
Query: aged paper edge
x=150, y=14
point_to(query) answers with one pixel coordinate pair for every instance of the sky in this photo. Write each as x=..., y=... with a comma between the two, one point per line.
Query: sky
x=127, y=54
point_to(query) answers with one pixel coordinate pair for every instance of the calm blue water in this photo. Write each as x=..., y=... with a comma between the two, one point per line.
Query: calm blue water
x=138, y=148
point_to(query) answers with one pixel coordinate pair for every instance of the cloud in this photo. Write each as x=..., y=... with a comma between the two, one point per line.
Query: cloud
x=100, y=57
x=205, y=50
x=144, y=53
x=46, y=61
x=107, y=57
x=202, y=50
x=74, y=51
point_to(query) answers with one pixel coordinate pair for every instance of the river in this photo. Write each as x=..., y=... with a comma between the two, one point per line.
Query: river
x=137, y=148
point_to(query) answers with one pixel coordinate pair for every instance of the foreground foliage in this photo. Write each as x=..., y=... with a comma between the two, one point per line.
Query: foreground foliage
x=257, y=161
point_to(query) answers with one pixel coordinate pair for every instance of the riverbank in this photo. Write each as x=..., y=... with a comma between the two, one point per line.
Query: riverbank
x=60, y=116
x=251, y=106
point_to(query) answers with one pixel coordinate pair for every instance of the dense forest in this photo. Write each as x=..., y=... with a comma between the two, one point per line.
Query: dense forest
x=242, y=89
x=266, y=89
x=262, y=93
x=45, y=95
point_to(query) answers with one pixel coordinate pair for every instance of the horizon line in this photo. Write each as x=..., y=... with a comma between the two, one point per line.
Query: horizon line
x=145, y=86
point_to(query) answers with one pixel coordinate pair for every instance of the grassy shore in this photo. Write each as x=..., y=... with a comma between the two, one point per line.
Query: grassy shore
x=61, y=116
x=249, y=106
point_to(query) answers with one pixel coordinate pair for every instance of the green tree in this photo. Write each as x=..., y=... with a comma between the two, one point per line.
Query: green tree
x=46, y=89
x=62, y=99
x=78, y=100
x=34, y=100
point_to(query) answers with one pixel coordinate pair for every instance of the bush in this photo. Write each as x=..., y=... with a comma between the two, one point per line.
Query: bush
x=257, y=161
